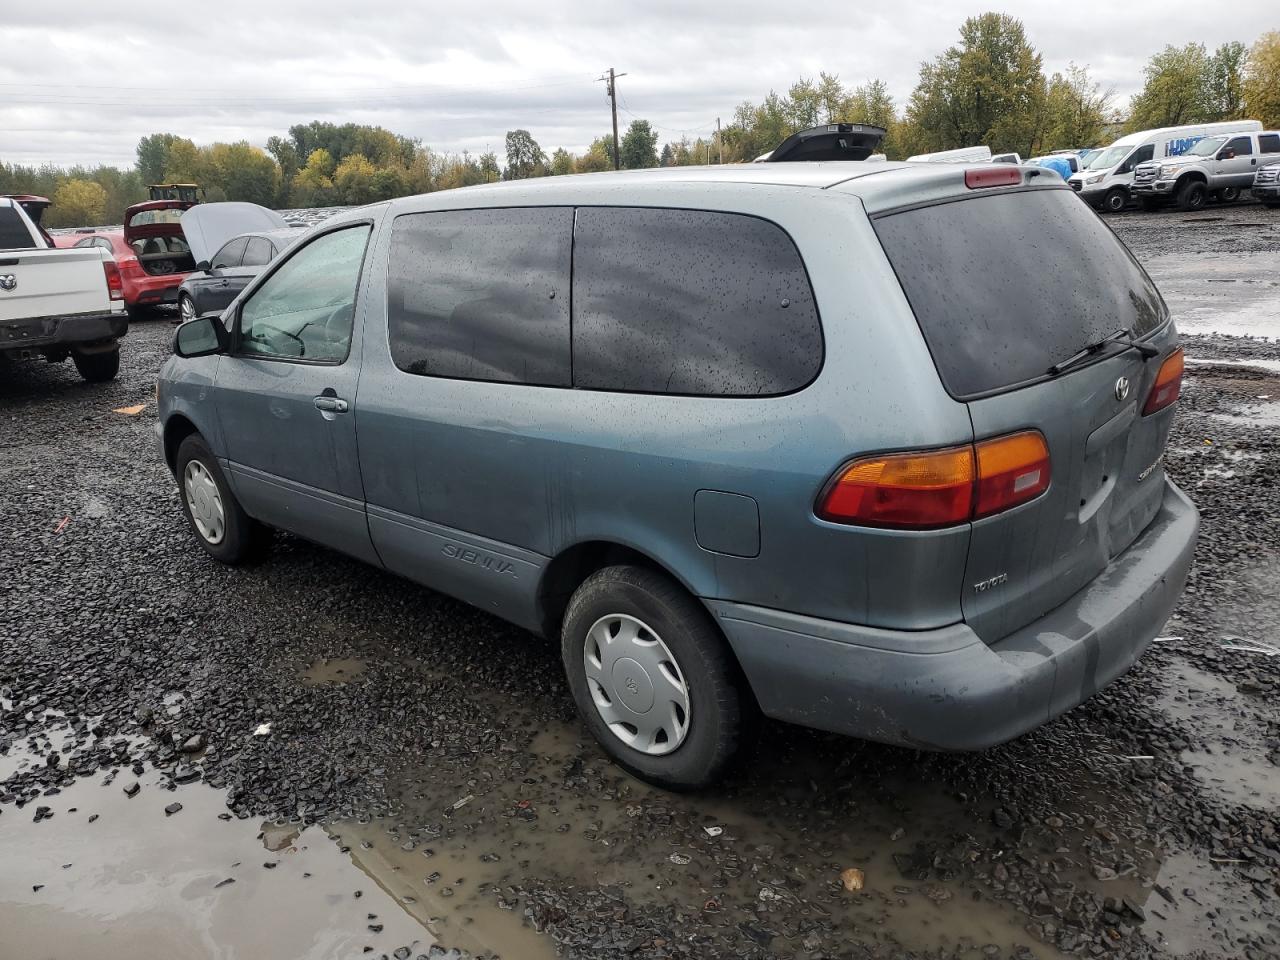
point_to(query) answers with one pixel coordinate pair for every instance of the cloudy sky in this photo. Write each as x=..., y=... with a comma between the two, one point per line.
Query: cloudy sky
x=80, y=82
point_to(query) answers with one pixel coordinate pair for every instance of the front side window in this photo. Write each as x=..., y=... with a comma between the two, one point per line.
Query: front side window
x=1206, y=147
x=305, y=310
x=1241, y=146
x=482, y=294
x=231, y=254
x=690, y=302
x=1141, y=155
x=257, y=253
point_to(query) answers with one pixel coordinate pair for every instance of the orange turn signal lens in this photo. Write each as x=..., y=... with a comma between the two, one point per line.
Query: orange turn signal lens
x=906, y=490
x=1011, y=470
x=1168, y=385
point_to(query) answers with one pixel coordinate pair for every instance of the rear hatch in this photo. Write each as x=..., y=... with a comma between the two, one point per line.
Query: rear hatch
x=1006, y=283
x=154, y=231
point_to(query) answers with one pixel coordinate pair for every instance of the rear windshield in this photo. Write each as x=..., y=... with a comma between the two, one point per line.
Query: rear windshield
x=1006, y=285
x=14, y=234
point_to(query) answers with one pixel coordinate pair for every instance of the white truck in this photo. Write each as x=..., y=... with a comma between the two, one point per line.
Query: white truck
x=56, y=304
x=1107, y=182
x=1218, y=168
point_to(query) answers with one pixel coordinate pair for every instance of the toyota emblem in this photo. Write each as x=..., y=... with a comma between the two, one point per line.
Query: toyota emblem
x=8, y=281
x=1122, y=388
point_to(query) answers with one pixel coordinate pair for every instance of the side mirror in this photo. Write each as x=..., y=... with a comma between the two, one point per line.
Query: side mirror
x=201, y=337
x=203, y=266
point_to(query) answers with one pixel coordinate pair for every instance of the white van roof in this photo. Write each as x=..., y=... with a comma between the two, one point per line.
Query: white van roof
x=959, y=155
x=1203, y=129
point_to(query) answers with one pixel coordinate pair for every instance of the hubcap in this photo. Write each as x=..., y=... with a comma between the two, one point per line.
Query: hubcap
x=636, y=685
x=204, y=501
x=187, y=309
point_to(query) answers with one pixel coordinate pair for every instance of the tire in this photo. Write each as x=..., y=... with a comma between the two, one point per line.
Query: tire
x=1115, y=200
x=219, y=523
x=689, y=649
x=186, y=308
x=97, y=367
x=1228, y=195
x=1192, y=195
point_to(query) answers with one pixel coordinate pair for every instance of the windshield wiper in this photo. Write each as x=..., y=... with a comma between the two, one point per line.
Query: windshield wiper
x=1123, y=335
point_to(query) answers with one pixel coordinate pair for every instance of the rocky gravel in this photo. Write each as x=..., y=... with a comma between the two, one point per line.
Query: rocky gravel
x=322, y=705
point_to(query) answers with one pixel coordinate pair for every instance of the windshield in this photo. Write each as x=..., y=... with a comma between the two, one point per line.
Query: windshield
x=1110, y=157
x=1086, y=161
x=1206, y=147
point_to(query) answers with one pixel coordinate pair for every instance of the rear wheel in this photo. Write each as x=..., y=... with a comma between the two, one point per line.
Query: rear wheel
x=1228, y=194
x=97, y=367
x=220, y=524
x=1191, y=195
x=653, y=679
x=1115, y=200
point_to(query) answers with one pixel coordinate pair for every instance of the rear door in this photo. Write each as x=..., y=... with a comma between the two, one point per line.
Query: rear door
x=1004, y=285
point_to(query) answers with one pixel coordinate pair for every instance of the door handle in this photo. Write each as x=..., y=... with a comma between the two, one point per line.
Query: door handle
x=330, y=404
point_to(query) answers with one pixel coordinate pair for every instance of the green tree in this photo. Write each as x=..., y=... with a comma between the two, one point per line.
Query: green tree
x=1075, y=112
x=488, y=168
x=524, y=157
x=183, y=163
x=561, y=162
x=639, y=146
x=153, y=155
x=1224, y=82
x=1175, y=89
x=78, y=203
x=353, y=180
x=243, y=172
x=988, y=90
x=286, y=156
x=313, y=184
x=597, y=158
x=1261, y=85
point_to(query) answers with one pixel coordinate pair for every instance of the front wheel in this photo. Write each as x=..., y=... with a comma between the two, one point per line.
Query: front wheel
x=1191, y=195
x=653, y=679
x=1115, y=200
x=186, y=308
x=97, y=367
x=220, y=524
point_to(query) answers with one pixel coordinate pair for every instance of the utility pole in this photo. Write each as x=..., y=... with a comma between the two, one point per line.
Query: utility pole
x=719, y=142
x=612, y=81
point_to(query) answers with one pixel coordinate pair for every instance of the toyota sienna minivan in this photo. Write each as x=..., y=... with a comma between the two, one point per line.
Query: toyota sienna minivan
x=873, y=448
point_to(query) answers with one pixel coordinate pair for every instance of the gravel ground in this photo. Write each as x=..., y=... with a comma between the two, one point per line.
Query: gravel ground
x=418, y=764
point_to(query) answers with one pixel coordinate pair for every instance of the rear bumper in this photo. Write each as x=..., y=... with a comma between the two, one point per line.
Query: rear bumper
x=945, y=689
x=81, y=328
x=151, y=290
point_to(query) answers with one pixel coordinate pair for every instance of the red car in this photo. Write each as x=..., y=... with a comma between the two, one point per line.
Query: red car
x=151, y=252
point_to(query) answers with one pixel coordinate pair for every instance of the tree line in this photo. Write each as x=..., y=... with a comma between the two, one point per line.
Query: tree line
x=988, y=88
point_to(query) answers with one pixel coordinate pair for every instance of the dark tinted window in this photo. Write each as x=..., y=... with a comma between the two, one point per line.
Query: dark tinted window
x=257, y=253
x=13, y=232
x=1242, y=146
x=691, y=302
x=1141, y=155
x=231, y=253
x=482, y=294
x=1269, y=143
x=1006, y=285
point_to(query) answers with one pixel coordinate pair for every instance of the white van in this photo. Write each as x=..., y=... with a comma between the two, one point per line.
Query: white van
x=1106, y=182
x=959, y=155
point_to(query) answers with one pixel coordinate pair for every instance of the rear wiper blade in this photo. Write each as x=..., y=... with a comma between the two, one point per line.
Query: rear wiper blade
x=1123, y=335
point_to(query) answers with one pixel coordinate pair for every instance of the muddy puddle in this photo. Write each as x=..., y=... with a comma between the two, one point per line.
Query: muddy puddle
x=333, y=671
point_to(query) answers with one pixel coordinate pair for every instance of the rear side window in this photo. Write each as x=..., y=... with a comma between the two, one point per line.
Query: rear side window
x=14, y=234
x=482, y=294
x=1006, y=285
x=1269, y=143
x=690, y=302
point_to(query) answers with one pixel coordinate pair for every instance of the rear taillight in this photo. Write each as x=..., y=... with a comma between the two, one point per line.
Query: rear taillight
x=1168, y=383
x=996, y=176
x=938, y=488
x=1011, y=470
x=115, y=286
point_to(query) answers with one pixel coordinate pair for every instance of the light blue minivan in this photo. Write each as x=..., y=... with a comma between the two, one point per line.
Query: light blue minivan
x=833, y=441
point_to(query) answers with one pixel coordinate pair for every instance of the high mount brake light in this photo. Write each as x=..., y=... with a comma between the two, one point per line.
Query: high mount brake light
x=995, y=176
x=1168, y=385
x=938, y=488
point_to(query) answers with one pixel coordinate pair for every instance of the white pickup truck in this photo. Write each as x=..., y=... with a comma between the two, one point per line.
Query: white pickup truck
x=57, y=303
